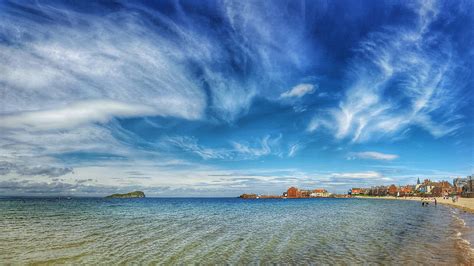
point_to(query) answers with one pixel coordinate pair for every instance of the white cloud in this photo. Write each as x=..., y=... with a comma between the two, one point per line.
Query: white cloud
x=190, y=144
x=400, y=78
x=33, y=169
x=299, y=91
x=61, y=84
x=265, y=146
x=76, y=64
x=180, y=65
x=373, y=155
x=359, y=175
x=293, y=150
x=76, y=114
x=239, y=150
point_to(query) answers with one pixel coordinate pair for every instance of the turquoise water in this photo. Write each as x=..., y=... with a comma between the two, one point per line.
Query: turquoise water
x=234, y=231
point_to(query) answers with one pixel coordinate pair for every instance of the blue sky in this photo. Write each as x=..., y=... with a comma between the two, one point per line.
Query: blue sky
x=218, y=98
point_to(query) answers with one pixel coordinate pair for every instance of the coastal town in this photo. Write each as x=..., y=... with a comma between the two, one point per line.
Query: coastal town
x=460, y=187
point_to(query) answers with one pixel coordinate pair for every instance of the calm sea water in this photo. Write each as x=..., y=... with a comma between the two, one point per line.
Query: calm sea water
x=234, y=231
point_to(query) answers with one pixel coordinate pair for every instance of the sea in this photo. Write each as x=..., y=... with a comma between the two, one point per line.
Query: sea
x=232, y=231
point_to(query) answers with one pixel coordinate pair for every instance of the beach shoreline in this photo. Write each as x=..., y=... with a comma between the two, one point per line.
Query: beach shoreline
x=465, y=204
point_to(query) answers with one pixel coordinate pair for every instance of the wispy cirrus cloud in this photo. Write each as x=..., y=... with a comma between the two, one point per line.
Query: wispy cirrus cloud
x=83, y=68
x=299, y=91
x=190, y=144
x=59, y=65
x=145, y=57
x=262, y=147
x=400, y=78
x=238, y=150
x=358, y=175
x=77, y=114
x=372, y=155
x=293, y=150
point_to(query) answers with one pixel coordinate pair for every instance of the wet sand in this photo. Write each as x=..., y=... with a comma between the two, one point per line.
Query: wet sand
x=465, y=204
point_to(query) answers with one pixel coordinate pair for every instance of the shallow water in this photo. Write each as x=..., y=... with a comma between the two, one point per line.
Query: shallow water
x=235, y=231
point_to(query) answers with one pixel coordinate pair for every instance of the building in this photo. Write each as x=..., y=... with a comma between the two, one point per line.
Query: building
x=393, y=190
x=426, y=187
x=443, y=188
x=355, y=191
x=293, y=192
x=458, y=184
x=407, y=190
x=320, y=193
x=468, y=188
x=464, y=186
x=378, y=191
x=305, y=193
x=418, y=186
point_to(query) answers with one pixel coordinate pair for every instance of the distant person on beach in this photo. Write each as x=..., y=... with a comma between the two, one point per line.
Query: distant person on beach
x=436, y=203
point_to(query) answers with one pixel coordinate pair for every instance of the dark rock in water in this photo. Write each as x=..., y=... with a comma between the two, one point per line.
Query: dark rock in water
x=134, y=194
x=248, y=196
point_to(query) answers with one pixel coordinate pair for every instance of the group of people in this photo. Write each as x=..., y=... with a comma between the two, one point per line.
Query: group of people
x=454, y=198
x=426, y=202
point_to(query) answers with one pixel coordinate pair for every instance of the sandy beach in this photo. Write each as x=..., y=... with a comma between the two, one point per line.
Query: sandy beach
x=466, y=204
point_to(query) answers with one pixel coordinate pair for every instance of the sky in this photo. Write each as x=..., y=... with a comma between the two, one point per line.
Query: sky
x=219, y=98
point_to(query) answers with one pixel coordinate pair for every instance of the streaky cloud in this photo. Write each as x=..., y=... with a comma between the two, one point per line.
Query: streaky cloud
x=80, y=113
x=237, y=150
x=372, y=155
x=299, y=91
x=33, y=170
x=401, y=77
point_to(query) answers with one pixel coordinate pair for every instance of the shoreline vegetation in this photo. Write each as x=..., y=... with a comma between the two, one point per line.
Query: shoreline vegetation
x=465, y=204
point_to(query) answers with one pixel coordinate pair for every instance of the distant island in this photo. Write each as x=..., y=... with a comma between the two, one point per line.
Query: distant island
x=134, y=194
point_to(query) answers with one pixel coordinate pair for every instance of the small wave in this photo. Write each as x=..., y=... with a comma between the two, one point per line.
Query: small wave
x=460, y=220
x=465, y=245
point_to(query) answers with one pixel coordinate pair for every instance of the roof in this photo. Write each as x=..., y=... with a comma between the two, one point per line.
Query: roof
x=319, y=190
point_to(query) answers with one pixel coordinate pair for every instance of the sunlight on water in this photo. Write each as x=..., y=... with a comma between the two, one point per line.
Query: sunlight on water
x=232, y=231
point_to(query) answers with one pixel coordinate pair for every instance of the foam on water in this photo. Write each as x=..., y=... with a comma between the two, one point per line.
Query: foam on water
x=234, y=231
x=463, y=233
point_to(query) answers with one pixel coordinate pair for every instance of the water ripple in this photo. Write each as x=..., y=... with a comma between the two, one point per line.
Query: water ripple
x=232, y=231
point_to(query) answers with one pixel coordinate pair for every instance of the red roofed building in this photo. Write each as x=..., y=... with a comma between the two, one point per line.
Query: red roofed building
x=392, y=190
x=293, y=193
x=406, y=190
x=356, y=191
x=443, y=188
